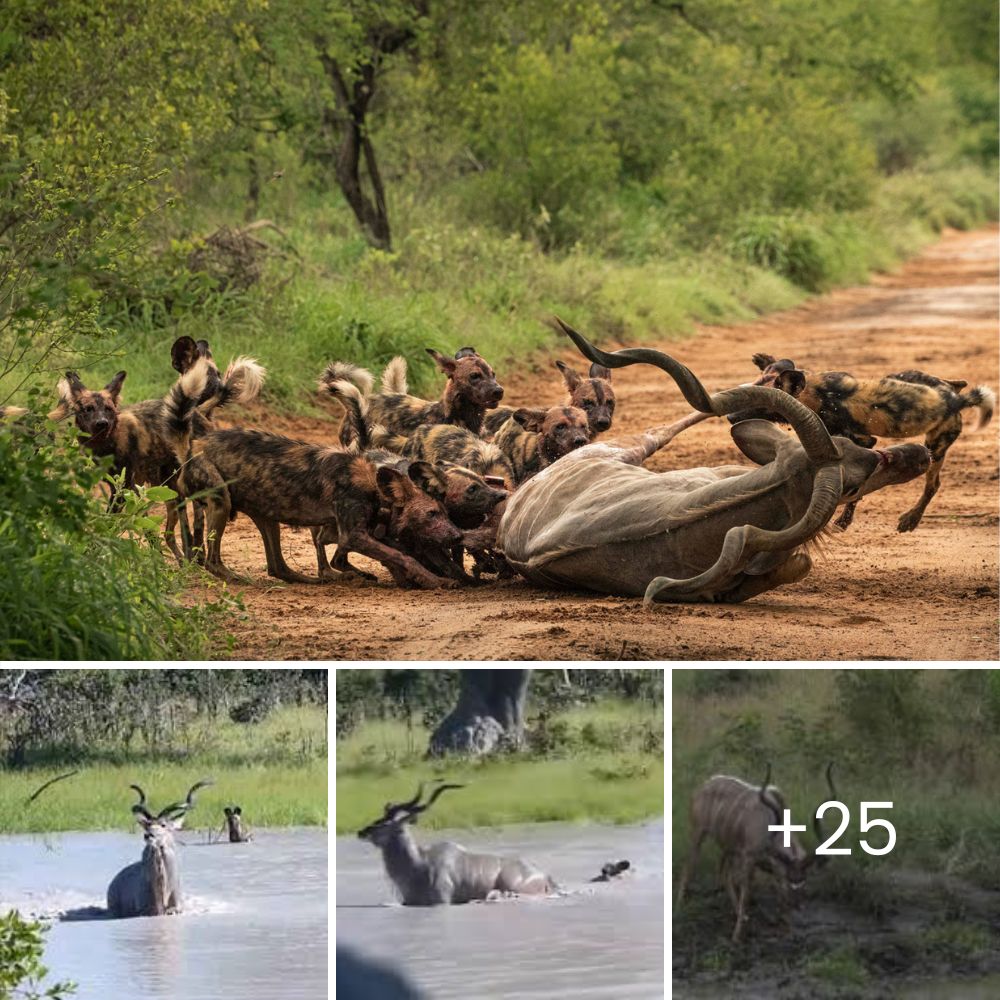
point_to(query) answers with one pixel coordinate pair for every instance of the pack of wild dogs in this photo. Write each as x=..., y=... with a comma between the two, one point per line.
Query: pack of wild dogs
x=432, y=489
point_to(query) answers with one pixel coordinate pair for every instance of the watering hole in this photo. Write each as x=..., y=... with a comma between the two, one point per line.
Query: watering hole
x=254, y=923
x=601, y=940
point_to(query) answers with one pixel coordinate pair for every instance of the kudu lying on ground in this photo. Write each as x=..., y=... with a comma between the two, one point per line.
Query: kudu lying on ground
x=444, y=872
x=597, y=520
x=152, y=886
x=736, y=815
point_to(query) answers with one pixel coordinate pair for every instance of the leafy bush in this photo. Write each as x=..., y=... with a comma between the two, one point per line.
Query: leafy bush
x=79, y=583
x=21, y=969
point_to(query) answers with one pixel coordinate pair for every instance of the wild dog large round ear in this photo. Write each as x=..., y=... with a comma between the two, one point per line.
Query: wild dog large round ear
x=599, y=371
x=183, y=354
x=428, y=477
x=114, y=387
x=465, y=352
x=391, y=484
x=570, y=377
x=792, y=381
x=530, y=420
x=446, y=364
x=73, y=384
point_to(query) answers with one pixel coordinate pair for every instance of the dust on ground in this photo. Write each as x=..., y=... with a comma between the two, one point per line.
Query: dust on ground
x=873, y=593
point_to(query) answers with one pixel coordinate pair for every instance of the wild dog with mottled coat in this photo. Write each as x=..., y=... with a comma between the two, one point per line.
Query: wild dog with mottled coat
x=133, y=435
x=533, y=439
x=903, y=405
x=276, y=480
x=471, y=389
x=467, y=497
x=594, y=395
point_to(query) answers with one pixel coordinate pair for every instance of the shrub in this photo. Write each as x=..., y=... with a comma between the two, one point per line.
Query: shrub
x=79, y=582
x=21, y=968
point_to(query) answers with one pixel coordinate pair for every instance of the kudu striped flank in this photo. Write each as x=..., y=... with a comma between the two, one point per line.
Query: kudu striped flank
x=736, y=815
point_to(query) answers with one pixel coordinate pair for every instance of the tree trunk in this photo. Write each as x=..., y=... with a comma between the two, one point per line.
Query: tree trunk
x=490, y=710
x=349, y=121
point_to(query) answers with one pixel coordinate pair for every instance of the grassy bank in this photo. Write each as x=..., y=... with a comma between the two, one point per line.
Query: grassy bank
x=276, y=770
x=447, y=285
x=603, y=764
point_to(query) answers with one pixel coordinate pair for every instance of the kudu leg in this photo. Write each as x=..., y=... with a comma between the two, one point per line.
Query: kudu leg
x=696, y=842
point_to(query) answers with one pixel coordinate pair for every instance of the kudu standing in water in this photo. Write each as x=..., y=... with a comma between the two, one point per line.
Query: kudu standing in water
x=737, y=815
x=151, y=886
x=445, y=872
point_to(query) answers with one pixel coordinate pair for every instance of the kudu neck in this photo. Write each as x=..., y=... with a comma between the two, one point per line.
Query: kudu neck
x=402, y=857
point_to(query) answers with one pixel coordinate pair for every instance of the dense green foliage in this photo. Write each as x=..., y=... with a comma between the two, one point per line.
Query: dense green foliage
x=260, y=735
x=79, y=583
x=21, y=969
x=635, y=165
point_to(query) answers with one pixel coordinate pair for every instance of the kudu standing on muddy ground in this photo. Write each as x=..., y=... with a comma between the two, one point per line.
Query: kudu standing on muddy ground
x=152, y=886
x=597, y=519
x=736, y=815
x=445, y=872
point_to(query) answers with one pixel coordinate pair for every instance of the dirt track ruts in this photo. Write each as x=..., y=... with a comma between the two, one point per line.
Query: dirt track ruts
x=874, y=593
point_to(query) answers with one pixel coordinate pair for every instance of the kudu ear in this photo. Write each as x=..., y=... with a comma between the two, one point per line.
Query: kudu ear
x=759, y=440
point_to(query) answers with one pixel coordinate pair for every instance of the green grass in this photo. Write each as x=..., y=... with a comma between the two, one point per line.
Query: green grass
x=602, y=767
x=276, y=770
x=448, y=285
x=935, y=765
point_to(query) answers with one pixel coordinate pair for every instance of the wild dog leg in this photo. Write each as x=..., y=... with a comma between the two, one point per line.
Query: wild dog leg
x=404, y=569
x=270, y=533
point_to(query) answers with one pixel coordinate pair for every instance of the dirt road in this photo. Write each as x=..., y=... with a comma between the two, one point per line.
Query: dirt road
x=875, y=594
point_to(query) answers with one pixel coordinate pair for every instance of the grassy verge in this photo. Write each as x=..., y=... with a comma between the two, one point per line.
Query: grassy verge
x=447, y=285
x=602, y=764
x=276, y=770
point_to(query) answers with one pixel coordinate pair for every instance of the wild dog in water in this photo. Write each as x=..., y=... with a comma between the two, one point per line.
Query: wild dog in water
x=593, y=395
x=467, y=497
x=533, y=439
x=275, y=480
x=133, y=435
x=471, y=390
x=895, y=406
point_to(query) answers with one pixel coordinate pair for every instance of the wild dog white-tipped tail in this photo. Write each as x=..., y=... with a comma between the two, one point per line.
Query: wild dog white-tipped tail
x=394, y=377
x=243, y=380
x=343, y=371
x=985, y=406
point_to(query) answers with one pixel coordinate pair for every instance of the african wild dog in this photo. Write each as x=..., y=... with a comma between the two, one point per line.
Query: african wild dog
x=895, y=406
x=133, y=435
x=275, y=480
x=470, y=391
x=593, y=395
x=533, y=439
x=438, y=443
x=467, y=497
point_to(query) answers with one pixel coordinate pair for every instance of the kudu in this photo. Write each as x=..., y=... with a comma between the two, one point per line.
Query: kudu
x=736, y=815
x=444, y=872
x=597, y=519
x=151, y=887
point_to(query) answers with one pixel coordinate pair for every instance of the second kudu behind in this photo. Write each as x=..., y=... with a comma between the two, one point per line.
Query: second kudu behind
x=445, y=872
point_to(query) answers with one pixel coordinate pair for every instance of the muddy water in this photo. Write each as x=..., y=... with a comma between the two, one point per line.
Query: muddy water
x=598, y=941
x=254, y=924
